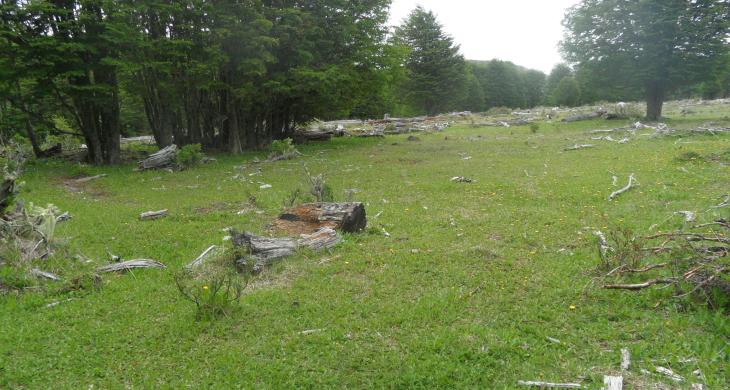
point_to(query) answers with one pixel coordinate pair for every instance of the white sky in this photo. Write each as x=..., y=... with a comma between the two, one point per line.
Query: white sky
x=526, y=32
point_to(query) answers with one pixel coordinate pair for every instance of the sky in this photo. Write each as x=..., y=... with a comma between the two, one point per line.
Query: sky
x=526, y=32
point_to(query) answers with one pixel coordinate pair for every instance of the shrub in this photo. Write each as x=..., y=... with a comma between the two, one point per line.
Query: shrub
x=214, y=294
x=318, y=187
x=189, y=156
x=283, y=150
x=534, y=128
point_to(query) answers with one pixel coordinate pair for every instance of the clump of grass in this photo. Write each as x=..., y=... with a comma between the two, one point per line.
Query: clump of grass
x=534, y=128
x=189, y=156
x=690, y=156
x=215, y=292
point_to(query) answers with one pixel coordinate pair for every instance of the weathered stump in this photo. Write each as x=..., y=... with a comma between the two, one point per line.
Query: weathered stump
x=311, y=217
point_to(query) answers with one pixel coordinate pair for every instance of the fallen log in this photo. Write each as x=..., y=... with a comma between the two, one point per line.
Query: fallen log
x=311, y=217
x=129, y=265
x=585, y=117
x=152, y=215
x=264, y=251
x=165, y=158
x=303, y=137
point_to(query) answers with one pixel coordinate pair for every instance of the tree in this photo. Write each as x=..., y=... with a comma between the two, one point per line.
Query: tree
x=436, y=70
x=559, y=72
x=567, y=93
x=655, y=45
x=503, y=83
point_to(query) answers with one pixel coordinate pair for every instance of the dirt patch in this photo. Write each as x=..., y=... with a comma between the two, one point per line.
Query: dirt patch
x=89, y=188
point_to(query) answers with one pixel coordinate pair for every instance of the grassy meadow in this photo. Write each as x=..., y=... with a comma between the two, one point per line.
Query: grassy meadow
x=463, y=292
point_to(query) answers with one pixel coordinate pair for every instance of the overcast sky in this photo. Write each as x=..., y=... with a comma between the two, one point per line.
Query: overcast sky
x=525, y=32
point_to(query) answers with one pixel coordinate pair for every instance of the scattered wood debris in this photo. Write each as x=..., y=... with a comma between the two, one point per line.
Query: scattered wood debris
x=152, y=215
x=584, y=117
x=462, y=179
x=632, y=179
x=310, y=331
x=129, y=265
x=549, y=385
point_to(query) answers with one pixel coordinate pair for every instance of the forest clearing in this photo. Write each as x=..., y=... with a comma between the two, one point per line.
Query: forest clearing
x=478, y=284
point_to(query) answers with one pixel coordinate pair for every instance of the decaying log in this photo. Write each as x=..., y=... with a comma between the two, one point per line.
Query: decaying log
x=164, y=158
x=613, y=382
x=88, y=179
x=302, y=137
x=42, y=274
x=628, y=187
x=585, y=117
x=625, y=359
x=311, y=217
x=201, y=259
x=548, y=385
x=578, y=147
x=264, y=251
x=129, y=265
x=152, y=215
x=639, y=286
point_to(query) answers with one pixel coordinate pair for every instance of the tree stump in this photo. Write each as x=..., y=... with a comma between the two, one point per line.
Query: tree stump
x=264, y=251
x=311, y=217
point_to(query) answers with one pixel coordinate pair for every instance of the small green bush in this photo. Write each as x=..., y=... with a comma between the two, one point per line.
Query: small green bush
x=283, y=150
x=214, y=294
x=534, y=128
x=189, y=156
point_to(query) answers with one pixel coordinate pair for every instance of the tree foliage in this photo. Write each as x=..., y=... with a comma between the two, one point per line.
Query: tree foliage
x=656, y=46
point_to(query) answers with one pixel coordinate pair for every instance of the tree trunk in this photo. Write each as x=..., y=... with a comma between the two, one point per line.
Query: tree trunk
x=654, y=101
x=308, y=218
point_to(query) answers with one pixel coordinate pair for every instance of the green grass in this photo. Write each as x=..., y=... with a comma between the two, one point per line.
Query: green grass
x=464, y=292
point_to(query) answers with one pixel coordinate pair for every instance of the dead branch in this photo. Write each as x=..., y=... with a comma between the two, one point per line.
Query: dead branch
x=549, y=385
x=628, y=187
x=639, y=286
x=88, y=179
x=152, y=215
x=46, y=275
x=625, y=359
x=645, y=269
x=201, y=259
x=578, y=147
x=129, y=265
x=613, y=382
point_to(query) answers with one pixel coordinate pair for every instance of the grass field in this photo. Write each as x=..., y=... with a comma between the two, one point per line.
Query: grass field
x=464, y=293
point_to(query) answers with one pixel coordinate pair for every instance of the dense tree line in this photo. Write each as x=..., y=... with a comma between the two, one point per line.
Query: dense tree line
x=237, y=74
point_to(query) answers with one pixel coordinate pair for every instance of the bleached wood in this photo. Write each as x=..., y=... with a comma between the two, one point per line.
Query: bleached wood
x=669, y=374
x=613, y=382
x=201, y=259
x=639, y=286
x=90, y=178
x=578, y=147
x=550, y=385
x=47, y=275
x=625, y=359
x=129, y=265
x=152, y=215
x=165, y=158
x=628, y=187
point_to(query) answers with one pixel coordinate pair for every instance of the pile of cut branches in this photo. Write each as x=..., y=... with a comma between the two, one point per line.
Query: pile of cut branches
x=693, y=260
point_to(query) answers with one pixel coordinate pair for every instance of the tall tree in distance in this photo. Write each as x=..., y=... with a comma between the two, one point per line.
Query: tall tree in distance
x=436, y=69
x=655, y=45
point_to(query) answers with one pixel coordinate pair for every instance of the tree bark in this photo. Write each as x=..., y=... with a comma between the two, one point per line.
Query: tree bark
x=654, y=101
